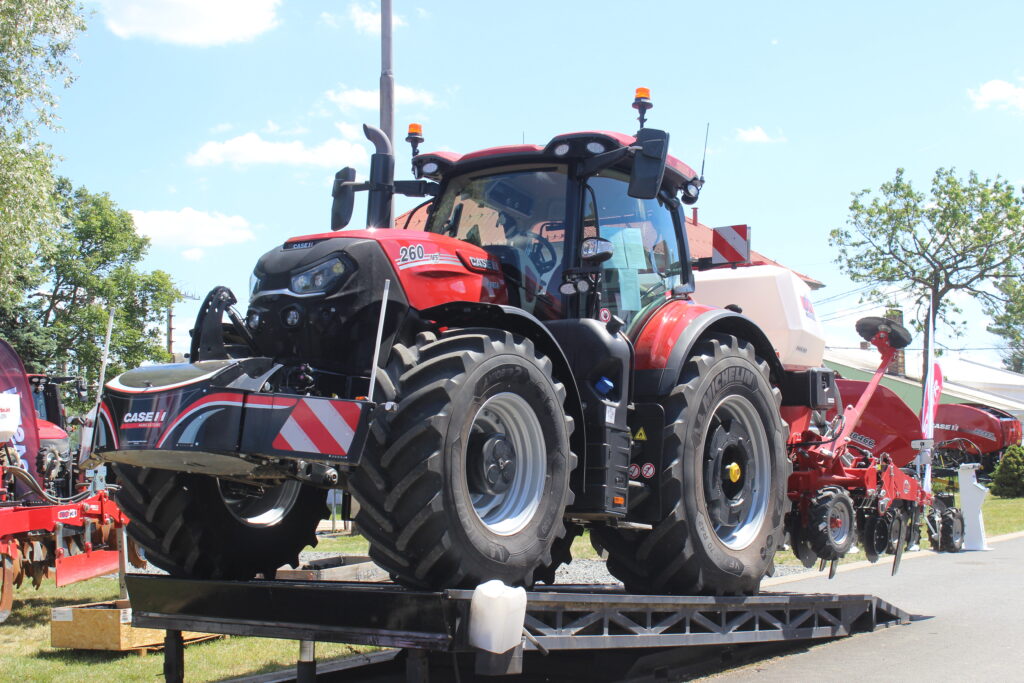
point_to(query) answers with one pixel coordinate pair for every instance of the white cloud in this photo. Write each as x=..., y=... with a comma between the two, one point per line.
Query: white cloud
x=250, y=148
x=999, y=94
x=329, y=19
x=191, y=228
x=271, y=127
x=353, y=98
x=221, y=128
x=190, y=22
x=368, y=20
x=756, y=134
x=349, y=131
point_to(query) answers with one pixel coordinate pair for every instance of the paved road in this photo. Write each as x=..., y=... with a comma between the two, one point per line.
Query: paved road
x=975, y=601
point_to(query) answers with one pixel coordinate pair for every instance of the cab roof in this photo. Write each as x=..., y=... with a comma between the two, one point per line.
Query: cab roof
x=449, y=162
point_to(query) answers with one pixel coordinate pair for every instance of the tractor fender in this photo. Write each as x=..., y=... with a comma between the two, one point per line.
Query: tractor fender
x=518, y=321
x=667, y=338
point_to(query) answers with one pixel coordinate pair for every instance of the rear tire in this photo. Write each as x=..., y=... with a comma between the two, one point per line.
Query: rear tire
x=724, y=485
x=198, y=526
x=468, y=479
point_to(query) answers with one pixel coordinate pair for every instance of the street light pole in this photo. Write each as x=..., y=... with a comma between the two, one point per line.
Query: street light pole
x=387, y=82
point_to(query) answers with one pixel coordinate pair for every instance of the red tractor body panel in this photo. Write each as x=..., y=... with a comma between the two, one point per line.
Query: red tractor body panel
x=50, y=431
x=434, y=269
x=659, y=335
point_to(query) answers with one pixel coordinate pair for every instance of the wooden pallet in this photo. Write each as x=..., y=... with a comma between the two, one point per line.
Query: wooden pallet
x=107, y=626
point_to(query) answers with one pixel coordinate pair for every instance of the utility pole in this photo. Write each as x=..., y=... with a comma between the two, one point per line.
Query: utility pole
x=188, y=296
x=387, y=82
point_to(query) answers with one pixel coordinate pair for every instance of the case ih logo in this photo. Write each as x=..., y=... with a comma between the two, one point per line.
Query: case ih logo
x=484, y=263
x=140, y=420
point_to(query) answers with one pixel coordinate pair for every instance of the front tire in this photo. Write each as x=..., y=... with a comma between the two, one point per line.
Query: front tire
x=469, y=479
x=830, y=528
x=724, y=485
x=952, y=530
x=198, y=526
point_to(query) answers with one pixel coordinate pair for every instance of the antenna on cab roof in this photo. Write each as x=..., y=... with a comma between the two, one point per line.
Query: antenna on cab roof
x=704, y=157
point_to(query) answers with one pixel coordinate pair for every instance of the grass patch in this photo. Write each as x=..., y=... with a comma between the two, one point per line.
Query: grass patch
x=27, y=655
x=1002, y=515
x=343, y=544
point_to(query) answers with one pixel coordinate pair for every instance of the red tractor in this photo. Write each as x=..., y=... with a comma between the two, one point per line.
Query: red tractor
x=53, y=522
x=530, y=364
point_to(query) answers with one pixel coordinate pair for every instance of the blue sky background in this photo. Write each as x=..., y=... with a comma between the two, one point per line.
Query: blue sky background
x=220, y=124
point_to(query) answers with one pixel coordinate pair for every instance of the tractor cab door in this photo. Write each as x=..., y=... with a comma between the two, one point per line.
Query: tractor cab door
x=650, y=256
x=518, y=217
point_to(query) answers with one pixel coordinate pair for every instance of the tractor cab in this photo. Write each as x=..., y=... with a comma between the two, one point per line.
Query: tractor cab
x=575, y=238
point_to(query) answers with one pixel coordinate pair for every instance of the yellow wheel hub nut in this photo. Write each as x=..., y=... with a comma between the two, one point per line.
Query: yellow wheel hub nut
x=734, y=472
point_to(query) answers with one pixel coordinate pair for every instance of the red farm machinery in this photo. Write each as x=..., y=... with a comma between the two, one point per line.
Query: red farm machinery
x=532, y=363
x=53, y=521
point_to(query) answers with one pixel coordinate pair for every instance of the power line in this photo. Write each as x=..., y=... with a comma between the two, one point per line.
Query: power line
x=842, y=295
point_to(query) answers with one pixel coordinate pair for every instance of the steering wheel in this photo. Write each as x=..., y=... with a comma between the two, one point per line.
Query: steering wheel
x=542, y=253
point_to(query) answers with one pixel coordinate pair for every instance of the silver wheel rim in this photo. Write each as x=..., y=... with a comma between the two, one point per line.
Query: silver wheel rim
x=839, y=524
x=507, y=512
x=259, y=506
x=737, y=509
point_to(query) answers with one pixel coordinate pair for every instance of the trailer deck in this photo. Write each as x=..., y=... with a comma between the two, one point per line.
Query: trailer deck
x=574, y=617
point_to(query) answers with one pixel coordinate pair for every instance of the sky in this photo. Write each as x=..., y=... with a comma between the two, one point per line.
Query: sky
x=220, y=123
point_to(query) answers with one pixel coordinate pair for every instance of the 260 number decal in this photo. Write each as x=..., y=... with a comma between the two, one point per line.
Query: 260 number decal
x=411, y=253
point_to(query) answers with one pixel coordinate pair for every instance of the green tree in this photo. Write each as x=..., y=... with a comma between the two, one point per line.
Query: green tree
x=90, y=266
x=1008, y=478
x=1008, y=323
x=36, y=41
x=965, y=236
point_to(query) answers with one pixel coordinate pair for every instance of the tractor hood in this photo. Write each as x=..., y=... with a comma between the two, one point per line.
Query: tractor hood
x=316, y=294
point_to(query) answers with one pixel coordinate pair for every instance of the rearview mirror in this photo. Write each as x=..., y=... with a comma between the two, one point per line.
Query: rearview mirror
x=648, y=163
x=596, y=250
x=344, y=194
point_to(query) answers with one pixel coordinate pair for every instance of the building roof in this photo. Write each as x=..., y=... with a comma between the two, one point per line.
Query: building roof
x=964, y=381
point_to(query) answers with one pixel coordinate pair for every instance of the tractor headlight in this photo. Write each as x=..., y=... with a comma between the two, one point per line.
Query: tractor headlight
x=319, y=278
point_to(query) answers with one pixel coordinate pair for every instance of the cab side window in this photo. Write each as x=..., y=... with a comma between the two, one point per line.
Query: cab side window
x=646, y=263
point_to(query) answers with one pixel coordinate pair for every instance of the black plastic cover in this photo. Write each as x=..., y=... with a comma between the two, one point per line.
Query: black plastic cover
x=815, y=388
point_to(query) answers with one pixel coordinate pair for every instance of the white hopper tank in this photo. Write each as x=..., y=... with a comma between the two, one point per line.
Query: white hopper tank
x=774, y=298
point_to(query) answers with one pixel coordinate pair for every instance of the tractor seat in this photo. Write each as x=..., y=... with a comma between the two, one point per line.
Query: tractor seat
x=899, y=337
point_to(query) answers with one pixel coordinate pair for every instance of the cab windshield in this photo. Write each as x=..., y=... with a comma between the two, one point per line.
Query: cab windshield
x=518, y=216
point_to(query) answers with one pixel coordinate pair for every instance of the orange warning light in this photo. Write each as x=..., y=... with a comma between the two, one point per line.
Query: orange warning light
x=643, y=93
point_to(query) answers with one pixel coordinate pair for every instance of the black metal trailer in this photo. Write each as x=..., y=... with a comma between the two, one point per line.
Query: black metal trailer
x=558, y=618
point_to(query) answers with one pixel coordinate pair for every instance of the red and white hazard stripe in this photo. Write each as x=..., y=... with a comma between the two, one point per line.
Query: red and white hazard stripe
x=319, y=426
x=730, y=244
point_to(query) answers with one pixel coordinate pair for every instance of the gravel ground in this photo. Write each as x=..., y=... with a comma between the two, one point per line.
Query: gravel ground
x=576, y=572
